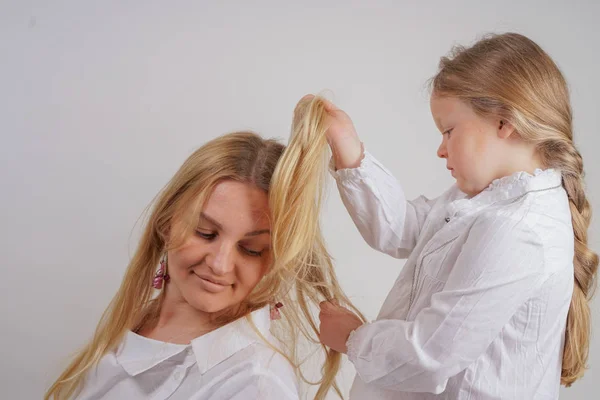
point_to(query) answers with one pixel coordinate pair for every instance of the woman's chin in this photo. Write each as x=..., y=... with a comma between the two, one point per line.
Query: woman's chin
x=210, y=308
x=210, y=303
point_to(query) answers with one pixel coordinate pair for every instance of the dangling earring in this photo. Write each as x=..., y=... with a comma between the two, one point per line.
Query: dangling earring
x=161, y=274
x=275, y=314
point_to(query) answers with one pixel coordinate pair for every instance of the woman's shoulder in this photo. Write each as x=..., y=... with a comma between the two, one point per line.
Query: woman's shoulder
x=267, y=358
x=266, y=370
x=255, y=356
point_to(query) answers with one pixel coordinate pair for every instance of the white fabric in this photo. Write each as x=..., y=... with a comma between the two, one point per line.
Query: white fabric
x=479, y=309
x=230, y=363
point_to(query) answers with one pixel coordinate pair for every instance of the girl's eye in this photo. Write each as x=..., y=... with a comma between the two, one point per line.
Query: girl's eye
x=207, y=236
x=448, y=132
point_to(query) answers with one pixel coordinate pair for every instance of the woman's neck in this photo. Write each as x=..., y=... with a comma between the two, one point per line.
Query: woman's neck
x=178, y=322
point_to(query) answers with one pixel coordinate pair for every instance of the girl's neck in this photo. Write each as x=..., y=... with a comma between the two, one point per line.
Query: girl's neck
x=520, y=156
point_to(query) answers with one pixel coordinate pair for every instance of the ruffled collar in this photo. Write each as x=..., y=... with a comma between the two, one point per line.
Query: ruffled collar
x=507, y=188
x=522, y=182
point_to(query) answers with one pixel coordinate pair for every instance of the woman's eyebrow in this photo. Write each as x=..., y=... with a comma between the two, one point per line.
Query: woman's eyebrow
x=212, y=221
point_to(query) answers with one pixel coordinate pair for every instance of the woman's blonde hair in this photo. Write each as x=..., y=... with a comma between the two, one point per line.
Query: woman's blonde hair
x=511, y=77
x=301, y=274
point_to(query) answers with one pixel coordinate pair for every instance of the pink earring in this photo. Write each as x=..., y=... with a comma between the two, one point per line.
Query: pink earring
x=161, y=274
x=275, y=314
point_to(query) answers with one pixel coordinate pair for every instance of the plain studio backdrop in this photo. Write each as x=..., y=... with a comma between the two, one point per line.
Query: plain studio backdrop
x=101, y=102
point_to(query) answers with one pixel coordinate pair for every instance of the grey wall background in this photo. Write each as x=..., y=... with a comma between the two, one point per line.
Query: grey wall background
x=100, y=102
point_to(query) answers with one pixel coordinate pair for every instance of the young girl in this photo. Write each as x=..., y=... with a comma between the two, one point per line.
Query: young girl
x=492, y=302
x=235, y=231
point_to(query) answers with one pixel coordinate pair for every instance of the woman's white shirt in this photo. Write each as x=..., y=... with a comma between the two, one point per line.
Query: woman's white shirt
x=230, y=363
x=479, y=309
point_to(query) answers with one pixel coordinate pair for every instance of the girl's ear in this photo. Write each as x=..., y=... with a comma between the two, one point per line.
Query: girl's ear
x=505, y=129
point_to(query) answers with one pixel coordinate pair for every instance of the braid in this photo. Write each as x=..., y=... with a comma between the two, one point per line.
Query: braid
x=563, y=155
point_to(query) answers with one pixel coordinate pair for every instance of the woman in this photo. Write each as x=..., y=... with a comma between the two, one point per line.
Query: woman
x=235, y=231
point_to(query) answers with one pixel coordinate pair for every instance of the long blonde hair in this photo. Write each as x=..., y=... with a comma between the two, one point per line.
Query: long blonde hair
x=511, y=77
x=301, y=274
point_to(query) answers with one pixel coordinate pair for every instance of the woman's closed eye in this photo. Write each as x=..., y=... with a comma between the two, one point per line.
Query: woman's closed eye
x=206, y=235
x=250, y=252
x=246, y=249
x=448, y=132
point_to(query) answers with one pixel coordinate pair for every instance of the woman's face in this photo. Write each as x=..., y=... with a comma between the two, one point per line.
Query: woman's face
x=219, y=265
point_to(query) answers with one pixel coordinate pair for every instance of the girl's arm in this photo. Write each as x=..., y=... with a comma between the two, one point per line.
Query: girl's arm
x=376, y=202
x=373, y=197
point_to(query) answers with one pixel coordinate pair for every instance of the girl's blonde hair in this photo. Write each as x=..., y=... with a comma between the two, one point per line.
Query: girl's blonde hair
x=301, y=274
x=511, y=77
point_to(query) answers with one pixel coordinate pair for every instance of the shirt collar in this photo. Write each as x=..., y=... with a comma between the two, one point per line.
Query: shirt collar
x=137, y=354
x=508, y=188
x=220, y=344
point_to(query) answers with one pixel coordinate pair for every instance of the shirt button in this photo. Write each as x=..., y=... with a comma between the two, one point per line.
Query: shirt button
x=447, y=219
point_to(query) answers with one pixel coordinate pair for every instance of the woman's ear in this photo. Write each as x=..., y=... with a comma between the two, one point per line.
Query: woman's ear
x=166, y=236
x=505, y=129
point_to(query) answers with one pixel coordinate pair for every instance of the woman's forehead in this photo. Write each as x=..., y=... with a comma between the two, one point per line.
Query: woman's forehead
x=237, y=203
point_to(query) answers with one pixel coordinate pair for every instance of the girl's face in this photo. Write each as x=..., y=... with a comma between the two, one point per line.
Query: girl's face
x=219, y=265
x=470, y=144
